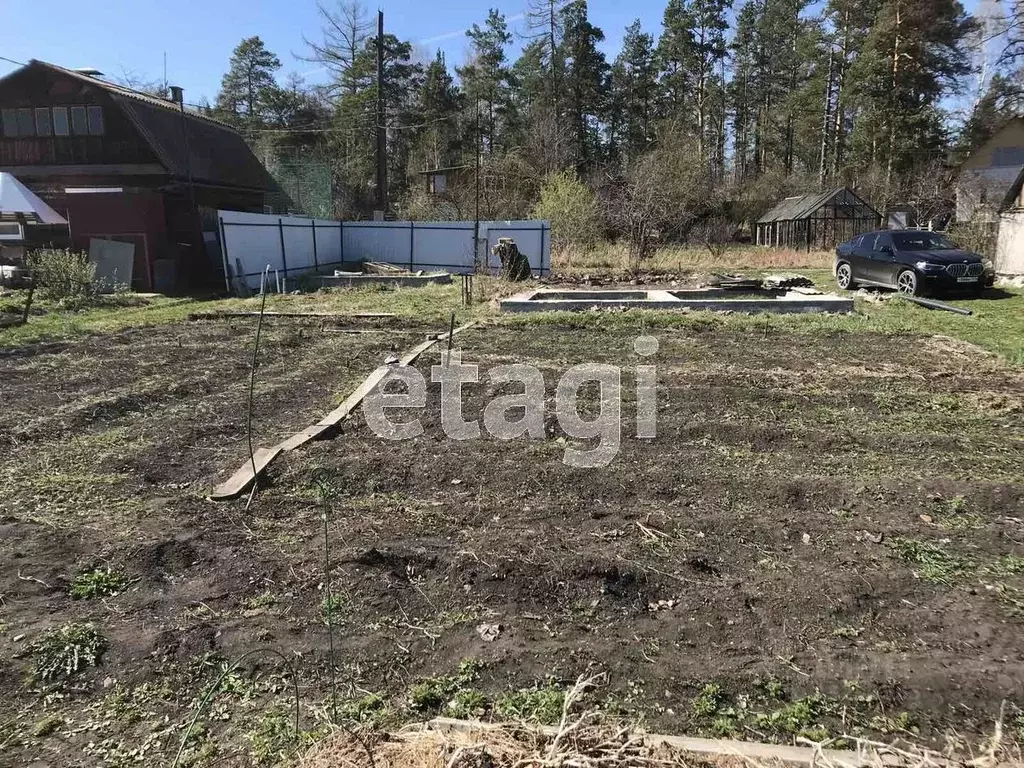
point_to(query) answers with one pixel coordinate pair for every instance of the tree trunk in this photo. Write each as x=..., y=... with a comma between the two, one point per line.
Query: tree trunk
x=839, y=126
x=826, y=114
x=892, y=111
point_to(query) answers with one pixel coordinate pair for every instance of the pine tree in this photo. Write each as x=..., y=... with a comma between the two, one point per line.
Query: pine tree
x=743, y=89
x=708, y=53
x=585, y=80
x=632, y=94
x=439, y=102
x=674, y=57
x=915, y=49
x=245, y=88
x=485, y=78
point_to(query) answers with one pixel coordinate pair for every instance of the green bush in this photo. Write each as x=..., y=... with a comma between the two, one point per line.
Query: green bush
x=571, y=208
x=63, y=275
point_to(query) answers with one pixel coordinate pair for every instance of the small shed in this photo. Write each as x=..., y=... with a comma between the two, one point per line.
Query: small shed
x=821, y=220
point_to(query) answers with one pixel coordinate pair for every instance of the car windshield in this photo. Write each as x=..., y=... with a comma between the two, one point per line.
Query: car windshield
x=922, y=241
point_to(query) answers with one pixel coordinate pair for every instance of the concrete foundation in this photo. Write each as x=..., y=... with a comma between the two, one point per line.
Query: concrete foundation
x=714, y=299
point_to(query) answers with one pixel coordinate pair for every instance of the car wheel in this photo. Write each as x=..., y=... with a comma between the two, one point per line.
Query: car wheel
x=906, y=282
x=844, y=276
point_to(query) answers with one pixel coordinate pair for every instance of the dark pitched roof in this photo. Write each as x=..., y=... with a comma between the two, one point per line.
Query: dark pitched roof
x=802, y=206
x=218, y=152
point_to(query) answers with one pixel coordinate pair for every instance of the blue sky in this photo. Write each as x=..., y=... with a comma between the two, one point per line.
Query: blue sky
x=197, y=35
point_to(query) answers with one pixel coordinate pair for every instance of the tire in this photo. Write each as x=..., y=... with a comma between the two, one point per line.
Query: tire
x=844, y=276
x=907, y=282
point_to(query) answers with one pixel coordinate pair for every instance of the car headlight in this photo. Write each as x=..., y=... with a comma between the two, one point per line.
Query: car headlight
x=927, y=266
x=989, y=266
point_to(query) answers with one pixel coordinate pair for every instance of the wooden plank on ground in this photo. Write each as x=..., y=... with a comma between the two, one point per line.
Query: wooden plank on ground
x=317, y=315
x=239, y=481
x=244, y=474
x=303, y=437
x=750, y=750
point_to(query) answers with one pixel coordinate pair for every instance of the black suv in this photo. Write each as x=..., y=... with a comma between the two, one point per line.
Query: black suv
x=911, y=261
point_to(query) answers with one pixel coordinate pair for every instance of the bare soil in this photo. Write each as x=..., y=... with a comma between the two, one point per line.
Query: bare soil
x=745, y=573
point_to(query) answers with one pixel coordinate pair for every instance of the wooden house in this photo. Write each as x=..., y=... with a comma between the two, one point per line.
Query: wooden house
x=123, y=165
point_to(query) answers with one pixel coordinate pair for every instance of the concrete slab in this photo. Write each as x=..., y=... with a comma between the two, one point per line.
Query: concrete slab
x=713, y=299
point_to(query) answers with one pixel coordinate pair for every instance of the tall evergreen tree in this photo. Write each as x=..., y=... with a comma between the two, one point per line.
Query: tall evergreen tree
x=674, y=57
x=437, y=143
x=632, y=94
x=485, y=77
x=912, y=55
x=708, y=53
x=585, y=81
x=248, y=84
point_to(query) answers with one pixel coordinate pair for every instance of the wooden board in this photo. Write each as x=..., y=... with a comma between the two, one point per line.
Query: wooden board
x=239, y=481
x=318, y=315
x=244, y=475
x=751, y=750
x=303, y=437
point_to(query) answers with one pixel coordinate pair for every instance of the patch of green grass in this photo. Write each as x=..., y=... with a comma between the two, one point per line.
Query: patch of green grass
x=274, y=739
x=467, y=704
x=933, y=562
x=47, y=726
x=542, y=704
x=332, y=606
x=709, y=701
x=997, y=324
x=433, y=693
x=65, y=651
x=1007, y=565
x=265, y=599
x=97, y=582
x=955, y=515
x=900, y=723
x=371, y=709
x=801, y=717
x=772, y=688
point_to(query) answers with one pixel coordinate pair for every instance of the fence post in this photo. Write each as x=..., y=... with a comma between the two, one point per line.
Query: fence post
x=224, y=253
x=543, y=229
x=284, y=259
x=341, y=245
x=412, y=246
x=316, y=262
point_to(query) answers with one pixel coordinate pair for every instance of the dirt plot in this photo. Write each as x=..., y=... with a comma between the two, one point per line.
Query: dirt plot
x=826, y=537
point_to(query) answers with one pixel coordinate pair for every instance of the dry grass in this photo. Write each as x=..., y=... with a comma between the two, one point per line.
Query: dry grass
x=588, y=741
x=613, y=257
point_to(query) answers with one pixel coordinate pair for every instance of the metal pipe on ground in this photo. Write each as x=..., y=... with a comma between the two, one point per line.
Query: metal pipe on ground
x=933, y=304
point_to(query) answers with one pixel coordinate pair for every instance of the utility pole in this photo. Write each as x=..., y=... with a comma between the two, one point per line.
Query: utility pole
x=382, y=140
x=476, y=222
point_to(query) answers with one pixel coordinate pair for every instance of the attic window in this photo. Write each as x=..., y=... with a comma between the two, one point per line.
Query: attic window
x=60, y=121
x=95, y=121
x=79, y=121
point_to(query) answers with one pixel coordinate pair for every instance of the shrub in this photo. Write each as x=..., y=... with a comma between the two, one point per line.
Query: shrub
x=63, y=275
x=66, y=650
x=97, y=582
x=571, y=208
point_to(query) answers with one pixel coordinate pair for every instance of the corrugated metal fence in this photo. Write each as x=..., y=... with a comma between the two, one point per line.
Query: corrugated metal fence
x=294, y=245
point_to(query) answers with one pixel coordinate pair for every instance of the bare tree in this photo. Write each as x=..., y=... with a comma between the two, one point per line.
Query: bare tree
x=345, y=31
x=131, y=79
